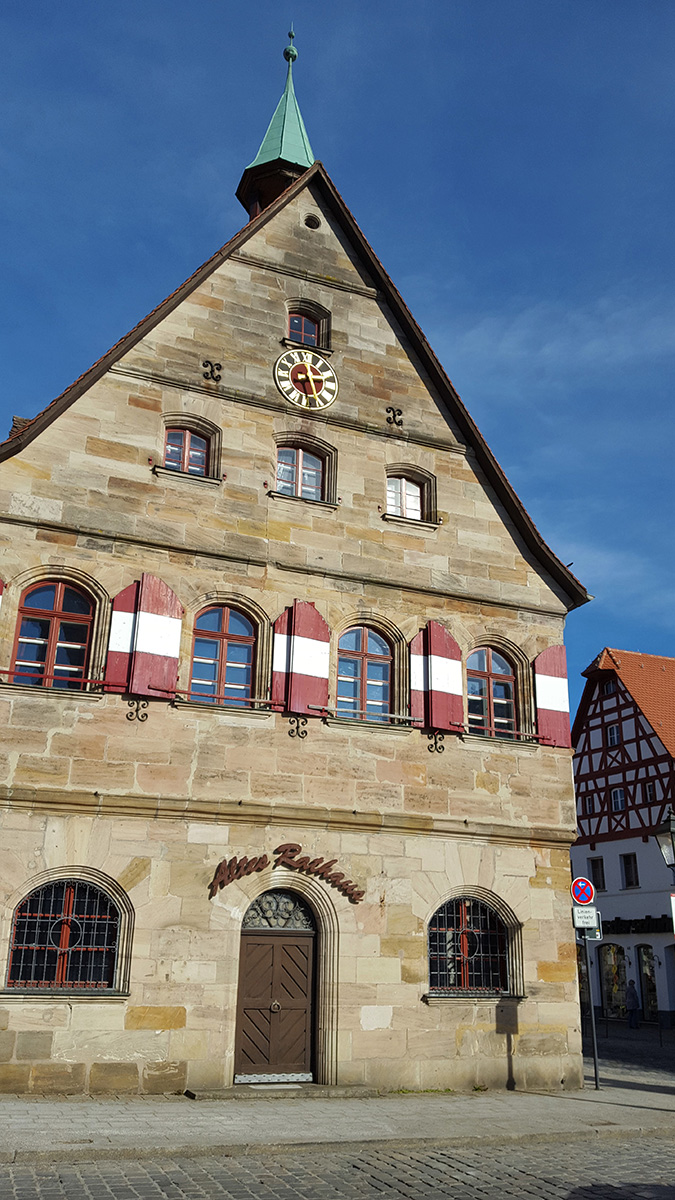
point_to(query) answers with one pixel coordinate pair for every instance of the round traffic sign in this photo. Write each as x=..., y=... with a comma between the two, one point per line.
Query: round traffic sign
x=582, y=891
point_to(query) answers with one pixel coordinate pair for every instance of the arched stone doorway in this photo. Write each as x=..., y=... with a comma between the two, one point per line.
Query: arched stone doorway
x=276, y=1011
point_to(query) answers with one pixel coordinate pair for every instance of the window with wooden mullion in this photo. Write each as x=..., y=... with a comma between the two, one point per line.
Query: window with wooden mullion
x=186, y=451
x=364, y=675
x=303, y=329
x=491, y=694
x=53, y=635
x=299, y=473
x=404, y=498
x=222, y=657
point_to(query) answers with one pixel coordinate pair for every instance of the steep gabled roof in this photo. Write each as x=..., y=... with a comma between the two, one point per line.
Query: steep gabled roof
x=318, y=178
x=650, y=679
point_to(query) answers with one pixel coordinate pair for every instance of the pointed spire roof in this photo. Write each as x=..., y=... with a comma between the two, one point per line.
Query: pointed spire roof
x=286, y=135
x=285, y=152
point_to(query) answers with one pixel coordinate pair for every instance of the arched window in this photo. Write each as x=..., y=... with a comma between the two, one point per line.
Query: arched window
x=300, y=473
x=65, y=935
x=491, y=683
x=186, y=451
x=404, y=497
x=364, y=675
x=223, y=657
x=303, y=329
x=468, y=949
x=53, y=637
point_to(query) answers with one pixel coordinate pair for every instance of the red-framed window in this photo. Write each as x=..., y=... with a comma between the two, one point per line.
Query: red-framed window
x=53, y=637
x=364, y=675
x=186, y=451
x=223, y=657
x=404, y=497
x=491, y=687
x=468, y=949
x=64, y=936
x=303, y=329
x=300, y=473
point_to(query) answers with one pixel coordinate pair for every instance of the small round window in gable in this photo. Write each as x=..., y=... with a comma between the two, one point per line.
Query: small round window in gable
x=312, y=222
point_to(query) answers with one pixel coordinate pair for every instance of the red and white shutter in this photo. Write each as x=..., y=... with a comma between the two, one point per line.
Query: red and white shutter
x=553, y=706
x=419, y=679
x=144, y=640
x=300, y=660
x=446, y=702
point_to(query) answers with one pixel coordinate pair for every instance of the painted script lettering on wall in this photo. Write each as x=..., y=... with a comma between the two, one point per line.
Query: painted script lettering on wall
x=289, y=855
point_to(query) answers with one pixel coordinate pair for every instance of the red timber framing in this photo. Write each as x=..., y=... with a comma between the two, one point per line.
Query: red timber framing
x=638, y=764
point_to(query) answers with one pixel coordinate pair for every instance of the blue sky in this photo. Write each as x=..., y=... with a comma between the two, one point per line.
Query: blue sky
x=511, y=161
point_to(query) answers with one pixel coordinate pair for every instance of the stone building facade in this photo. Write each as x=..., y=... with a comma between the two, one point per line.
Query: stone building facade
x=287, y=847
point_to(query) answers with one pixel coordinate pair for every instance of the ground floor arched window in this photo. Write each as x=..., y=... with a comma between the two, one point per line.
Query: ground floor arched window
x=468, y=949
x=64, y=937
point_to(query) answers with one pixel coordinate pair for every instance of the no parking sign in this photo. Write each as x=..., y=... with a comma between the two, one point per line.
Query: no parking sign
x=582, y=890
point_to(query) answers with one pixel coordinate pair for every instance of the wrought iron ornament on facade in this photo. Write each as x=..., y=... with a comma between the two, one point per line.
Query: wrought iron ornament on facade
x=211, y=370
x=138, y=708
x=297, y=727
x=395, y=416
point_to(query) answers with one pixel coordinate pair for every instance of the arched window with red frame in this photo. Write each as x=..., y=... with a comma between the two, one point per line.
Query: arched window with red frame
x=364, y=675
x=64, y=937
x=468, y=949
x=491, y=687
x=303, y=329
x=186, y=451
x=223, y=657
x=53, y=636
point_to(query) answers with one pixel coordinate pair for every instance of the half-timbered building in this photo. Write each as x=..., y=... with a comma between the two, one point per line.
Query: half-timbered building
x=286, y=784
x=624, y=770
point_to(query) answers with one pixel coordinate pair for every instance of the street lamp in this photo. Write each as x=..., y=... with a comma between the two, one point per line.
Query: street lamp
x=665, y=836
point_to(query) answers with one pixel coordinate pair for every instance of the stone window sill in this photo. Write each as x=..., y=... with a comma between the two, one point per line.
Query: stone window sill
x=302, y=500
x=432, y=998
x=25, y=689
x=186, y=476
x=412, y=524
x=324, y=351
x=476, y=739
x=53, y=995
x=224, y=710
x=368, y=726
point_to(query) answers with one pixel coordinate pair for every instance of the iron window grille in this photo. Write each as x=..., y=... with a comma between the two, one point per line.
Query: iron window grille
x=491, y=686
x=53, y=637
x=364, y=675
x=299, y=473
x=223, y=657
x=468, y=950
x=64, y=936
x=186, y=451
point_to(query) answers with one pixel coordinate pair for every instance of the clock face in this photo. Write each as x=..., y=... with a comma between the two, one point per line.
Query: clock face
x=306, y=379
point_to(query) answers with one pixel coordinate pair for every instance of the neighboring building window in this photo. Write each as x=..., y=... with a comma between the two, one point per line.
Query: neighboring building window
x=404, y=498
x=303, y=329
x=618, y=800
x=608, y=687
x=650, y=793
x=222, y=657
x=629, y=871
x=613, y=735
x=364, y=675
x=299, y=473
x=589, y=807
x=53, y=637
x=596, y=868
x=491, y=688
x=64, y=936
x=186, y=451
x=468, y=949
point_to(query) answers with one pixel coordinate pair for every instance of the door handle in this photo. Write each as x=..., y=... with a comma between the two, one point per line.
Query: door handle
x=275, y=1006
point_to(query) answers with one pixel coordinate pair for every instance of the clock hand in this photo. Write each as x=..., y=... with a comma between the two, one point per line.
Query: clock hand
x=311, y=378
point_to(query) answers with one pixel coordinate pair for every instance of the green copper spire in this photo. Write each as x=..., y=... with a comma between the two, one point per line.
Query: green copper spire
x=286, y=137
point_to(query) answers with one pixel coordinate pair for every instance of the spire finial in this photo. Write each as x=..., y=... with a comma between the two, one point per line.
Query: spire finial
x=290, y=53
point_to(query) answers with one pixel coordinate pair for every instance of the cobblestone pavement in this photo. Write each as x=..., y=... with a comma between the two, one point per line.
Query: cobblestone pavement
x=630, y=1169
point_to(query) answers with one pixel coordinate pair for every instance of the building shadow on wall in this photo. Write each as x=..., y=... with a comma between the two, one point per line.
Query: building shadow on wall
x=507, y=1023
x=627, y=1191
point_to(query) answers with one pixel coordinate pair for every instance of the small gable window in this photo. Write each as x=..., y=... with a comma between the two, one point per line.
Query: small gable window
x=404, y=498
x=223, y=657
x=186, y=451
x=300, y=473
x=53, y=637
x=491, y=684
x=303, y=329
x=364, y=675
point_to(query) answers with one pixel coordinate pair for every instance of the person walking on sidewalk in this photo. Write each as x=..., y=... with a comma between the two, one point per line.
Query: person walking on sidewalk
x=632, y=1005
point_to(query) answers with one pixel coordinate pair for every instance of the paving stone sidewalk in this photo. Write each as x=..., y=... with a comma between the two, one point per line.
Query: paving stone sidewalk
x=79, y=1129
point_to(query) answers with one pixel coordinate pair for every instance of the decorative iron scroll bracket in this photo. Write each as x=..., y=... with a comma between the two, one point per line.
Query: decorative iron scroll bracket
x=212, y=368
x=395, y=415
x=297, y=725
x=436, y=738
x=138, y=708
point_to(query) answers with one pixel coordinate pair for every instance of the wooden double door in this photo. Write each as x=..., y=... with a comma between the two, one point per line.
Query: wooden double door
x=275, y=1009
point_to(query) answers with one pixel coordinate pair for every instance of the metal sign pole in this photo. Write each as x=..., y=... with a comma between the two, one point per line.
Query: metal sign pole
x=591, y=1006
